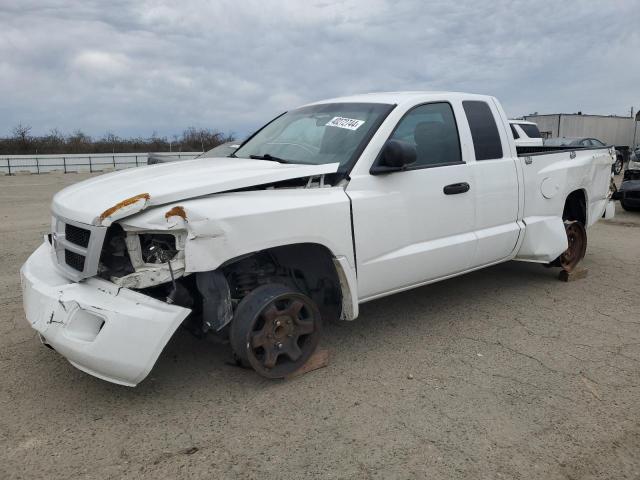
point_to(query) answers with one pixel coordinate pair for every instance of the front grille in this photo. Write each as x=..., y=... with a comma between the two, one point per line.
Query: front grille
x=76, y=235
x=74, y=260
x=632, y=194
x=76, y=247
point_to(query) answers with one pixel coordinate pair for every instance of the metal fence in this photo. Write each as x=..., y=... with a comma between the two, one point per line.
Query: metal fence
x=98, y=162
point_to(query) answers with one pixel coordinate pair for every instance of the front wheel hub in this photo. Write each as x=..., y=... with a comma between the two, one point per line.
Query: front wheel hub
x=275, y=330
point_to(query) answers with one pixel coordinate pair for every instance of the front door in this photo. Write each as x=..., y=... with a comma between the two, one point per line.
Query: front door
x=417, y=225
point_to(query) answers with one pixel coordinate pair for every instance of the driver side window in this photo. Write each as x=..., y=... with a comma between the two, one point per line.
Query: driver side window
x=432, y=129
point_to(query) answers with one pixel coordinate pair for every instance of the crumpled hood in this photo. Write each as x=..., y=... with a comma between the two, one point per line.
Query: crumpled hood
x=104, y=199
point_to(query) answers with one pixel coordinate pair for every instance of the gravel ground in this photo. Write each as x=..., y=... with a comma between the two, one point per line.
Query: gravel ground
x=502, y=373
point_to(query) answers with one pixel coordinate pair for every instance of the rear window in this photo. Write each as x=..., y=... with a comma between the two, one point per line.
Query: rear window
x=484, y=131
x=531, y=130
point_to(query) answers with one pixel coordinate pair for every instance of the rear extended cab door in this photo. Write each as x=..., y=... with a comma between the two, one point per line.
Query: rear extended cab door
x=496, y=175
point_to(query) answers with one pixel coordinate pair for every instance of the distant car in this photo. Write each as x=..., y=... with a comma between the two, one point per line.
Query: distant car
x=585, y=142
x=573, y=142
x=222, y=150
x=525, y=134
x=629, y=191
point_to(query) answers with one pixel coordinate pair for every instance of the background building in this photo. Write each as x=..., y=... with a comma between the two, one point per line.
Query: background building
x=623, y=132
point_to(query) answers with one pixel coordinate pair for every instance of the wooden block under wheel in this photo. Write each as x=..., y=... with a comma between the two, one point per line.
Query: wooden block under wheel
x=576, y=274
x=319, y=359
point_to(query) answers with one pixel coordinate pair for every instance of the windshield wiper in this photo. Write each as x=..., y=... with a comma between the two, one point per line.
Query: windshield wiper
x=269, y=157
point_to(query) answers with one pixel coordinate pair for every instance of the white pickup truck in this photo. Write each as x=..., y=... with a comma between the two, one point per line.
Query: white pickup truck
x=526, y=134
x=327, y=206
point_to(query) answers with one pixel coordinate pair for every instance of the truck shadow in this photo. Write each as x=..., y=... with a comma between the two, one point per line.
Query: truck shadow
x=421, y=312
x=431, y=312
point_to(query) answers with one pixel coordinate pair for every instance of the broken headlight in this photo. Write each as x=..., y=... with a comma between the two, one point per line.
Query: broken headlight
x=157, y=247
x=142, y=259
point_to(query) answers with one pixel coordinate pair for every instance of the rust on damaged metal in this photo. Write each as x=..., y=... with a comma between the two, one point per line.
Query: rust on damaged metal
x=124, y=203
x=177, y=211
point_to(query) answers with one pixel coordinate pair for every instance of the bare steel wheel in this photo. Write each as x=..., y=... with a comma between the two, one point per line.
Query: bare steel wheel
x=275, y=330
x=577, y=240
x=617, y=166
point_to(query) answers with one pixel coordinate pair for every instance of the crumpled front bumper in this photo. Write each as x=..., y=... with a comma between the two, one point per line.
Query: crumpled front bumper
x=113, y=333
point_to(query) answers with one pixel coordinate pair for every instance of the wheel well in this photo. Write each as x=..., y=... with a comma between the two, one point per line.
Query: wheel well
x=307, y=267
x=575, y=207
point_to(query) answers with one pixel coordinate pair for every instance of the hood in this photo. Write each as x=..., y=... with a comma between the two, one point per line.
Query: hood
x=104, y=199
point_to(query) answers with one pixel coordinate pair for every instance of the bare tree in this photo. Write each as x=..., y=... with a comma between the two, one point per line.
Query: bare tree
x=56, y=135
x=111, y=139
x=192, y=139
x=21, y=133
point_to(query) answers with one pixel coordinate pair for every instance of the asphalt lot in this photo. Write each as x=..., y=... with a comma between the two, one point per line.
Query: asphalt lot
x=514, y=375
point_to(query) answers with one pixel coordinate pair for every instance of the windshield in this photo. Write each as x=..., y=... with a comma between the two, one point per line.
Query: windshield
x=318, y=134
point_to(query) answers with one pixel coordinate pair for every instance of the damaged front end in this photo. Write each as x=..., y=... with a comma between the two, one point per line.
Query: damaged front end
x=109, y=298
x=153, y=262
x=109, y=291
x=107, y=331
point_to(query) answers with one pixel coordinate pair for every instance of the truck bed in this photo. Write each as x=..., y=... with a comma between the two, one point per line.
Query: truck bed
x=542, y=150
x=552, y=173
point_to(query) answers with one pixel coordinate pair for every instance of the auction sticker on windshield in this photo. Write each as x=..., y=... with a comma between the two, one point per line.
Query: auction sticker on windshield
x=348, y=123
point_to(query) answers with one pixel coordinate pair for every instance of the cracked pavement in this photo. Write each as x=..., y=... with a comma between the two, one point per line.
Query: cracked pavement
x=514, y=374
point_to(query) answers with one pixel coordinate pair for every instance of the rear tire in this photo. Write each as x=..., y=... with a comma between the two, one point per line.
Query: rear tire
x=275, y=330
x=617, y=166
x=577, y=240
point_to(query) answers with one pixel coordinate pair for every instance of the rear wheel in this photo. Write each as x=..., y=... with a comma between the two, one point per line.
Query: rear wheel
x=617, y=166
x=577, y=240
x=275, y=330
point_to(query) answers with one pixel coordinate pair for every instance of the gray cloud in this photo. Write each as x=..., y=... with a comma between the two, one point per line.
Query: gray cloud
x=137, y=67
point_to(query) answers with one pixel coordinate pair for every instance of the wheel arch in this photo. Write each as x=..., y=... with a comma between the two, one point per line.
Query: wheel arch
x=575, y=206
x=317, y=263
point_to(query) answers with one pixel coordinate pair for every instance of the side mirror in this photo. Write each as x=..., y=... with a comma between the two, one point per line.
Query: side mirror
x=395, y=156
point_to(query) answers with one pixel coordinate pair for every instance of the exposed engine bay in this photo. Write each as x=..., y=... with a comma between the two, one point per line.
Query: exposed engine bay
x=153, y=263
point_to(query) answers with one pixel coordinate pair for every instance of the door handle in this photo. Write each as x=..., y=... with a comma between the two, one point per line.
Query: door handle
x=456, y=188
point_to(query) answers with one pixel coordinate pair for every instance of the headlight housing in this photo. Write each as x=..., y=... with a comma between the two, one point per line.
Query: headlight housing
x=140, y=259
x=157, y=247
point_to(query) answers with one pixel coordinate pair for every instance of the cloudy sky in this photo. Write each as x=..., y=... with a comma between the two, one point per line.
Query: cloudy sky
x=136, y=67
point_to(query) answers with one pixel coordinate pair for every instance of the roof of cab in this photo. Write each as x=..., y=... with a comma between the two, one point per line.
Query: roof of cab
x=522, y=122
x=394, y=98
